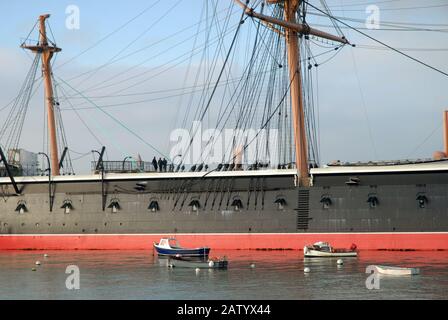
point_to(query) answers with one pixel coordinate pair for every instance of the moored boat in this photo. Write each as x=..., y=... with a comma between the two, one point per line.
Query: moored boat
x=183, y=262
x=397, y=271
x=171, y=247
x=324, y=249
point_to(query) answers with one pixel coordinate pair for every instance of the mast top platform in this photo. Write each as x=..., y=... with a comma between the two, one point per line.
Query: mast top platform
x=42, y=44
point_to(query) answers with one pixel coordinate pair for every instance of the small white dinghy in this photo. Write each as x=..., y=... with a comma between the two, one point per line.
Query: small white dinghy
x=323, y=249
x=397, y=271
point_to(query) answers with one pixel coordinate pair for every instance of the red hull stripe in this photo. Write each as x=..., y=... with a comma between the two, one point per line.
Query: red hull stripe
x=294, y=241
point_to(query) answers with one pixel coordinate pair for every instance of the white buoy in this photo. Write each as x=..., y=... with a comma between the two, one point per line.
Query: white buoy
x=340, y=262
x=197, y=270
x=45, y=255
x=211, y=264
x=307, y=270
x=37, y=263
x=252, y=265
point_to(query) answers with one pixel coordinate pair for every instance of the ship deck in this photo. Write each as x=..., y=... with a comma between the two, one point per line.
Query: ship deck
x=383, y=167
x=151, y=176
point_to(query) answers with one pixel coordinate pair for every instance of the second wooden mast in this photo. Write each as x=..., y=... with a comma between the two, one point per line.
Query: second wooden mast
x=47, y=52
x=292, y=30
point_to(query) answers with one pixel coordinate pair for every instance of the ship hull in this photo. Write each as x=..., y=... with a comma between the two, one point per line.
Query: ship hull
x=228, y=241
x=230, y=210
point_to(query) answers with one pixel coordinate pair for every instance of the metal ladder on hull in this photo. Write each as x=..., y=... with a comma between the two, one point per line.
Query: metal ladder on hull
x=303, y=209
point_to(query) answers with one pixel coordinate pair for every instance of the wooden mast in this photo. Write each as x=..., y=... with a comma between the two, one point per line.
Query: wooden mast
x=292, y=29
x=47, y=52
x=298, y=114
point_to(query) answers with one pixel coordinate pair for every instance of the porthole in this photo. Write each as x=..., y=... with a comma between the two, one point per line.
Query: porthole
x=281, y=203
x=373, y=201
x=114, y=205
x=195, y=205
x=21, y=207
x=237, y=204
x=422, y=200
x=154, y=206
x=326, y=201
x=67, y=206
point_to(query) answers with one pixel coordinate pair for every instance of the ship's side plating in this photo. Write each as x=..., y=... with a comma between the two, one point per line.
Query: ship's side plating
x=400, y=198
x=246, y=202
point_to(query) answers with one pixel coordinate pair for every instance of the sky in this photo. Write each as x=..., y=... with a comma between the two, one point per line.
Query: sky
x=373, y=104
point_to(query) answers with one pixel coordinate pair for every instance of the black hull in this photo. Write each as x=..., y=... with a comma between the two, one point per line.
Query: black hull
x=231, y=202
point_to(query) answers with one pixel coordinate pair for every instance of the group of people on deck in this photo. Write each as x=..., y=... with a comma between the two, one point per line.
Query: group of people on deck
x=160, y=165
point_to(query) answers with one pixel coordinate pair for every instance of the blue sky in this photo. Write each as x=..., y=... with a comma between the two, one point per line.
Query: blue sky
x=97, y=19
x=374, y=104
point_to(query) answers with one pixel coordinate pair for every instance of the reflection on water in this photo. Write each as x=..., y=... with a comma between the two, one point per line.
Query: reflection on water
x=273, y=275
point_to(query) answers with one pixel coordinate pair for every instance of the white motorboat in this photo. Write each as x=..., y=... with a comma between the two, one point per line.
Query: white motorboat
x=324, y=249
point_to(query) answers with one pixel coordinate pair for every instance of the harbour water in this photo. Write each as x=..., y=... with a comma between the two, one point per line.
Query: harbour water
x=275, y=275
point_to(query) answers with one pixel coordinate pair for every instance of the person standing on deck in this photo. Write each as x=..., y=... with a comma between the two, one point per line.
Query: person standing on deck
x=160, y=163
x=154, y=163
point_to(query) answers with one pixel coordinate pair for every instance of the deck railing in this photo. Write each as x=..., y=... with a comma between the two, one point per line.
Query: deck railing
x=125, y=166
x=142, y=166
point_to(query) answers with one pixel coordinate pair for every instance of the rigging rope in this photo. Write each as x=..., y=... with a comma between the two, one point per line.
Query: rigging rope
x=115, y=119
x=381, y=42
x=129, y=44
x=12, y=128
x=109, y=34
x=218, y=79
